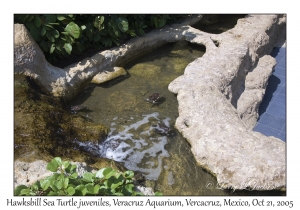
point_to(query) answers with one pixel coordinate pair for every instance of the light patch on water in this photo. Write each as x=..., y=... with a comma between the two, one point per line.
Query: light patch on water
x=136, y=145
x=166, y=121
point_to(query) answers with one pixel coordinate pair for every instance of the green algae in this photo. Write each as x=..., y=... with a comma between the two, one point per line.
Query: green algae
x=44, y=128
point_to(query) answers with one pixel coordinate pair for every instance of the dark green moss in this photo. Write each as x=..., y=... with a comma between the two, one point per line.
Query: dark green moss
x=44, y=127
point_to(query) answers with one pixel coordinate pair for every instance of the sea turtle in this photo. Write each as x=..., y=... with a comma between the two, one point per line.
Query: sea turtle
x=162, y=129
x=154, y=98
x=77, y=108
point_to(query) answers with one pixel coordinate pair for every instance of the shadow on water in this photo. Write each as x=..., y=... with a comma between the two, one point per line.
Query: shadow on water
x=273, y=84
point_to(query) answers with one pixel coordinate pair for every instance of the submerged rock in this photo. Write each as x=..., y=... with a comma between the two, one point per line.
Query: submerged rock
x=109, y=75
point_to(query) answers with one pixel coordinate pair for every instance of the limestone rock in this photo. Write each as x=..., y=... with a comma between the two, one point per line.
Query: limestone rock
x=145, y=190
x=108, y=75
x=219, y=88
x=30, y=61
x=255, y=86
x=28, y=173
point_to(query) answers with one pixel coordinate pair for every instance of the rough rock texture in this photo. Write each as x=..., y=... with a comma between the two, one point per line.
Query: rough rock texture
x=145, y=190
x=218, y=97
x=30, y=61
x=28, y=173
x=109, y=75
x=67, y=82
x=255, y=86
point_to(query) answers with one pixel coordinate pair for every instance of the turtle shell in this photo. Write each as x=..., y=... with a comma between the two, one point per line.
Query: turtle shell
x=154, y=97
x=162, y=129
x=77, y=108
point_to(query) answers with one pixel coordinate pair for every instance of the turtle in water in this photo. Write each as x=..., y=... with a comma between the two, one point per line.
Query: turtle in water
x=162, y=129
x=77, y=108
x=154, y=98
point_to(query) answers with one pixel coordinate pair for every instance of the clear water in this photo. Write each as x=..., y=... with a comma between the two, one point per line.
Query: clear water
x=166, y=161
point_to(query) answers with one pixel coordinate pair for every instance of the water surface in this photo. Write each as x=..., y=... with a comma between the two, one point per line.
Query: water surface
x=166, y=161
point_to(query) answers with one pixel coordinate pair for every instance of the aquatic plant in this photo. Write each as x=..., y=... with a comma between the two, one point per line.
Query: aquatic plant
x=65, y=181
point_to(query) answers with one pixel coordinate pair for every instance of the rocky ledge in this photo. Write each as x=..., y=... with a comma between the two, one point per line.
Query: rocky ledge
x=219, y=96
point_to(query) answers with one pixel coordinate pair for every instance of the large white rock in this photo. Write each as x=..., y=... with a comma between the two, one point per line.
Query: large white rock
x=218, y=97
